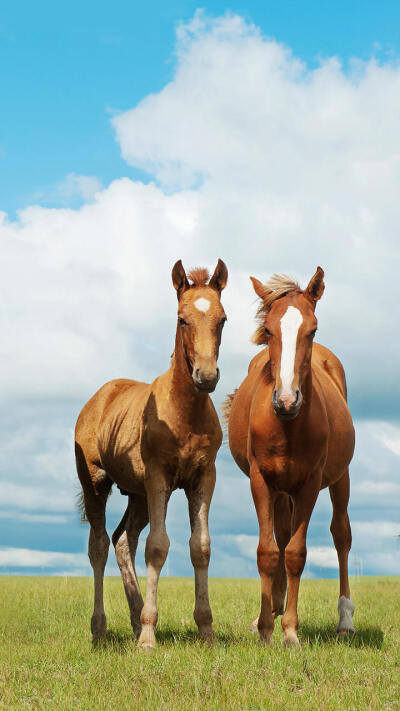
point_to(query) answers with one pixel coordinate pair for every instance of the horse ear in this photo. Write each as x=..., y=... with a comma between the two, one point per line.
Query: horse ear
x=316, y=286
x=259, y=287
x=220, y=277
x=179, y=278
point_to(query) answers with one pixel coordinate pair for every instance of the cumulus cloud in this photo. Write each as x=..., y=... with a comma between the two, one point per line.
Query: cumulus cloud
x=254, y=158
x=27, y=558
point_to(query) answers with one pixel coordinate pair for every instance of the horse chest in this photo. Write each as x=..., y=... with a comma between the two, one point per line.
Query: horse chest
x=192, y=455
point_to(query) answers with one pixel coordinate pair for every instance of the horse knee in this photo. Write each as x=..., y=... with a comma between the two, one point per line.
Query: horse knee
x=295, y=559
x=157, y=547
x=267, y=558
x=200, y=551
x=98, y=548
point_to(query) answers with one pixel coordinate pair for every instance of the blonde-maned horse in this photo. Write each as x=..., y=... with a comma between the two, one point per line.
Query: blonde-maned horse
x=151, y=440
x=291, y=432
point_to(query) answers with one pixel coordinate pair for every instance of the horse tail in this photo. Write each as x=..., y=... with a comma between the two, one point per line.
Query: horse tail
x=80, y=505
x=225, y=412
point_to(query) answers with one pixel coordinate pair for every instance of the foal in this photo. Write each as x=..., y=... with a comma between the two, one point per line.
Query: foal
x=151, y=440
x=291, y=432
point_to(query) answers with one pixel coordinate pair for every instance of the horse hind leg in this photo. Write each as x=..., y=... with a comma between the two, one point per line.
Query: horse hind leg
x=125, y=539
x=96, y=487
x=341, y=533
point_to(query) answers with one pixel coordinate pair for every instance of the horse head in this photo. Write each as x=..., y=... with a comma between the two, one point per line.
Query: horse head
x=288, y=325
x=201, y=318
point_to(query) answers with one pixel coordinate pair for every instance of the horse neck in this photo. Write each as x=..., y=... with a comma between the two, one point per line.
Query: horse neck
x=183, y=394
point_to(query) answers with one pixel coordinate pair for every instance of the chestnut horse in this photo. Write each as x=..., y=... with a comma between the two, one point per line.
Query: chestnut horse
x=151, y=440
x=291, y=432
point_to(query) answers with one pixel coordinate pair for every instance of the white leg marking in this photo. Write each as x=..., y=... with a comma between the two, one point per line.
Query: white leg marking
x=346, y=611
x=202, y=304
x=290, y=324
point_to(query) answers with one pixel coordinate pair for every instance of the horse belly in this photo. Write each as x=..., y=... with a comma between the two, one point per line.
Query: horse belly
x=119, y=442
x=340, y=445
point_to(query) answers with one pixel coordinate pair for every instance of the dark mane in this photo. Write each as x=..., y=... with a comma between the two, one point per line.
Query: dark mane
x=198, y=276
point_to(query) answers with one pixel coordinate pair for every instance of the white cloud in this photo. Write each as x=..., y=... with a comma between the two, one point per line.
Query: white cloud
x=27, y=558
x=31, y=498
x=389, y=435
x=286, y=166
x=322, y=556
x=247, y=545
x=368, y=530
x=33, y=517
x=84, y=186
x=258, y=160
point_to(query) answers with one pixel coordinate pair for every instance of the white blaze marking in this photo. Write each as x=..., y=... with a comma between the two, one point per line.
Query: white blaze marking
x=202, y=304
x=290, y=324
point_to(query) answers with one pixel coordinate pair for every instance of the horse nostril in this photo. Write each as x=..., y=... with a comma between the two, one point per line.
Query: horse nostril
x=298, y=398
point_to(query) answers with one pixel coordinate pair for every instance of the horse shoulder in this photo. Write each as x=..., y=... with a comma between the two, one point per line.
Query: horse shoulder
x=244, y=405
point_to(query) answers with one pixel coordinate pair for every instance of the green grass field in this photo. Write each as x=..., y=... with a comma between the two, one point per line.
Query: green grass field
x=47, y=660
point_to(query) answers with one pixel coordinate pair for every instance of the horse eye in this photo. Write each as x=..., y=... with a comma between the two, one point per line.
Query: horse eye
x=312, y=333
x=183, y=322
x=267, y=332
x=222, y=322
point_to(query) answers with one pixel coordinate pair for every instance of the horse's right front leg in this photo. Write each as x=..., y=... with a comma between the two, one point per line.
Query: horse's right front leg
x=157, y=546
x=267, y=551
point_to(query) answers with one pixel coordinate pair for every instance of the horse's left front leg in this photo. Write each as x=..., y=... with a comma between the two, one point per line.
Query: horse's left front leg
x=295, y=555
x=157, y=546
x=199, y=500
x=267, y=551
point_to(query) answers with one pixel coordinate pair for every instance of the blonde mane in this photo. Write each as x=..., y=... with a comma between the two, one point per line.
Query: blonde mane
x=277, y=286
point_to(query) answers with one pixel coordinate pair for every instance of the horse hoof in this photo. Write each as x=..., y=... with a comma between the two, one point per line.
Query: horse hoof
x=146, y=647
x=291, y=640
x=254, y=626
x=147, y=639
x=344, y=634
x=98, y=626
x=207, y=636
x=266, y=638
x=266, y=642
x=137, y=631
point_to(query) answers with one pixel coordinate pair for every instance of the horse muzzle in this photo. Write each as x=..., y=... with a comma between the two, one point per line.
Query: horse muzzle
x=205, y=380
x=287, y=407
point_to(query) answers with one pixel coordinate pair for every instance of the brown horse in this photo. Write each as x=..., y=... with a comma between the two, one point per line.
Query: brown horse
x=291, y=432
x=151, y=440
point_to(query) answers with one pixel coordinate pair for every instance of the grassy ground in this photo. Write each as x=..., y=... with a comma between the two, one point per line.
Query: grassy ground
x=47, y=661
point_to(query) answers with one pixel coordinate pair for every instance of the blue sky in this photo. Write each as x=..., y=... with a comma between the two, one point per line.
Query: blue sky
x=262, y=133
x=66, y=68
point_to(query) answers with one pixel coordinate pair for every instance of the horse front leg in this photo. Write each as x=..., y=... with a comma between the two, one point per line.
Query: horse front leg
x=199, y=500
x=296, y=554
x=267, y=551
x=157, y=546
x=341, y=533
x=282, y=529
